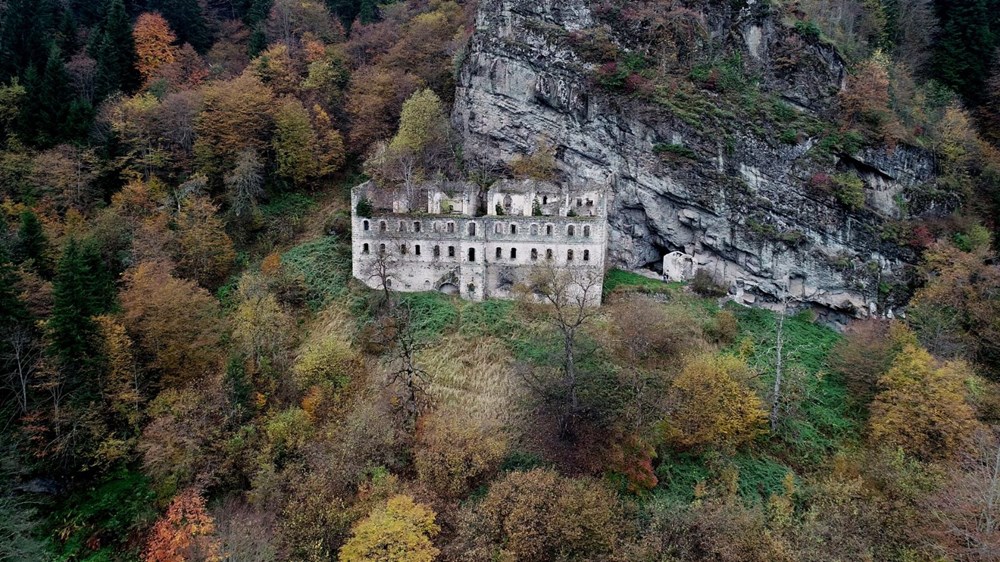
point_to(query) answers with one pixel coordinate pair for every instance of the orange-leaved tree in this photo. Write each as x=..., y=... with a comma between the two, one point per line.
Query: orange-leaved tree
x=185, y=532
x=154, y=44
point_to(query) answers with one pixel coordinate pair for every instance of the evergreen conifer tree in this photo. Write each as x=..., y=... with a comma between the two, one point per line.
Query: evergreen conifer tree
x=113, y=48
x=186, y=20
x=79, y=293
x=32, y=243
x=964, y=51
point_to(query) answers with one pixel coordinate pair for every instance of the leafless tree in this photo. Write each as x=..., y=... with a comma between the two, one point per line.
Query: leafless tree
x=571, y=296
x=405, y=372
x=969, y=506
x=20, y=361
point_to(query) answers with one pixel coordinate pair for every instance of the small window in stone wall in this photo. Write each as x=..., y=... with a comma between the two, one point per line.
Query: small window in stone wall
x=402, y=227
x=437, y=251
x=499, y=253
x=367, y=226
x=498, y=229
x=416, y=226
x=365, y=249
x=451, y=251
x=569, y=255
x=416, y=249
x=571, y=230
x=472, y=229
x=472, y=254
x=534, y=230
x=513, y=253
x=586, y=255
x=545, y=199
x=513, y=229
x=586, y=231
x=548, y=254
x=381, y=248
x=451, y=228
x=402, y=249
x=382, y=226
x=548, y=230
x=534, y=254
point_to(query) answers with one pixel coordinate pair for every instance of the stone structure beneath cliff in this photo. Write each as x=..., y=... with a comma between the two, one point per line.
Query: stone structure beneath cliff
x=453, y=238
x=741, y=205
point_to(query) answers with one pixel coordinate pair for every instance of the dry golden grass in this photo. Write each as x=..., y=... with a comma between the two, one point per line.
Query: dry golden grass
x=474, y=376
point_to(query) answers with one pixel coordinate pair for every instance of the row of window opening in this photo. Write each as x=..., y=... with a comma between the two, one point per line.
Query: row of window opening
x=404, y=250
x=499, y=228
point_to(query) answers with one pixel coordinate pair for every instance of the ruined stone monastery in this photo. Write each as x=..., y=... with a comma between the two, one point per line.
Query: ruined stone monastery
x=458, y=239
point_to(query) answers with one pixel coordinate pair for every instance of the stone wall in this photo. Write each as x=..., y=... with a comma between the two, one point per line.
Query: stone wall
x=459, y=254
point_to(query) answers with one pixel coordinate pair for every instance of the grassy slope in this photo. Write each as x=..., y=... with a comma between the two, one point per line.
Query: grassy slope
x=481, y=380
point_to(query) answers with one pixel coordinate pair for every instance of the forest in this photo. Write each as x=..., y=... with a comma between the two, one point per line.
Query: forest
x=189, y=372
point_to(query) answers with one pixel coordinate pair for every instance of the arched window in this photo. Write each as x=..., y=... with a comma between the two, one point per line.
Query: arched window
x=382, y=226
x=472, y=254
x=534, y=254
x=499, y=253
x=381, y=248
x=569, y=255
x=437, y=251
x=451, y=228
x=367, y=226
x=548, y=254
x=534, y=230
x=548, y=230
x=513, y=228
x=498, y=229
x=365, y=250
x=513, y=253
x=586, y=255
x=570, y=230
x=451, y=251
x=402, y=249
x=416, y=249
x=545, y=199
x=416, y=226
x=472, y=230
x=586, y=231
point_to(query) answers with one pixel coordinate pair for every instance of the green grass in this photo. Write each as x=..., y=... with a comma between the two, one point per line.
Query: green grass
x=433, y=314
x=110, y=512
x=823, y=418
x=324, y=265
x=626, y=280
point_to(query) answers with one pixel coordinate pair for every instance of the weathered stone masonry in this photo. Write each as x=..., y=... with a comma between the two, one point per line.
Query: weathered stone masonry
x=476, y=257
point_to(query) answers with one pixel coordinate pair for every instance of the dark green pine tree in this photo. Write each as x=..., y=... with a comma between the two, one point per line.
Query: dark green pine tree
x=47, y=101
x=79, y=293
x=67, y=37
x=32, y=244
x=27, y=28
x=963, y=52
x=113, y=48
x=186, y=19
x=257, y=12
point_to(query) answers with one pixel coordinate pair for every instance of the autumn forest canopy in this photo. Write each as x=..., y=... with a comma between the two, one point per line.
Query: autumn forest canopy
x=188, y=370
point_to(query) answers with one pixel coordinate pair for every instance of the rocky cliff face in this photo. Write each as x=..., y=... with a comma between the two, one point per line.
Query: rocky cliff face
x=716, y=186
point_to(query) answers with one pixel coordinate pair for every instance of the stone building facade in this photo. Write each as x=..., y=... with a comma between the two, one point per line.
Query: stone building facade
x=457, y=239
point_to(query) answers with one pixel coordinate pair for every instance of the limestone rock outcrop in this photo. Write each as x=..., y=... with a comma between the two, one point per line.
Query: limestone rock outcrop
x=737, y=200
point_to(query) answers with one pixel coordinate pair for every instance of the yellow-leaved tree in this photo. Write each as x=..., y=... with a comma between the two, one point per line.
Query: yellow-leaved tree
x=401, y=531
x=921, y=408
x=713, y=405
